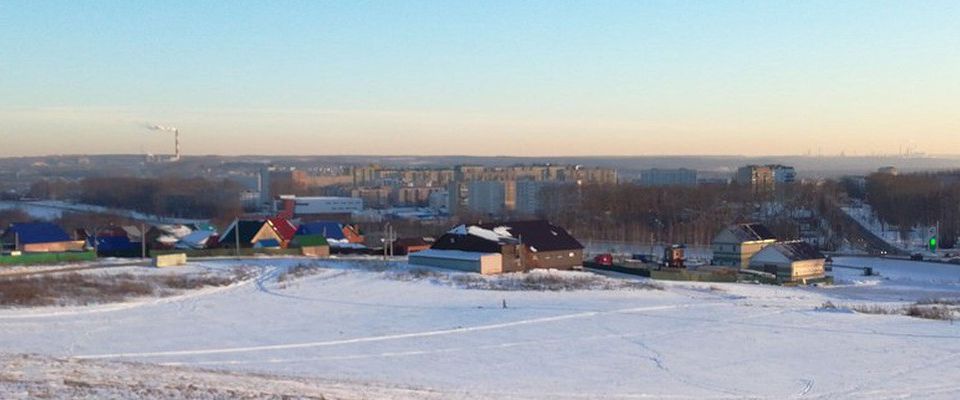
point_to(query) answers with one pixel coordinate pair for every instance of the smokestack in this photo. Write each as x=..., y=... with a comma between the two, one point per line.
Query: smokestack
x=176, y=138
x=176, y=141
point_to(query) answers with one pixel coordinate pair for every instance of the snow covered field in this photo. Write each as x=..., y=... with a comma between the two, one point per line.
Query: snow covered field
x=349, y=331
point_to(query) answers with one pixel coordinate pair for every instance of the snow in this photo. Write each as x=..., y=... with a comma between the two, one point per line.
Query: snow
x=352, y=323
x=493, y=235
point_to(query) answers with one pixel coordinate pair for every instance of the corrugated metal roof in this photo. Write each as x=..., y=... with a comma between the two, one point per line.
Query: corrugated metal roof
x=798, y=250
x=752, y=232
x=37, y=232
x=330, y=230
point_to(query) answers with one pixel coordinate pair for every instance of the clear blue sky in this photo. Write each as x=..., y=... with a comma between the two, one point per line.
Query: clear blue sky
x=484, y=77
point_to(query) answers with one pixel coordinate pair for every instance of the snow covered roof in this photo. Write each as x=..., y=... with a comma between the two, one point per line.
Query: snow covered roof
x=498, y=234
x=537, y=235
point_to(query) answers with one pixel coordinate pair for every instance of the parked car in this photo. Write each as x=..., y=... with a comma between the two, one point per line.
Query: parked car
x=954, y=261
x=604, y=259
x=916, y=257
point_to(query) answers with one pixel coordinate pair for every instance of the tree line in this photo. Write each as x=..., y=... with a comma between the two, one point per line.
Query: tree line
x=692, y=215
x=168, y=197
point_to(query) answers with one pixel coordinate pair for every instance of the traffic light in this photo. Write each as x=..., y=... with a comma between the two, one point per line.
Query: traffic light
x=933, y=244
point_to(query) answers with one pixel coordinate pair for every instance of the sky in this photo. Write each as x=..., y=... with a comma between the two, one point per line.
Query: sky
x=529, y=78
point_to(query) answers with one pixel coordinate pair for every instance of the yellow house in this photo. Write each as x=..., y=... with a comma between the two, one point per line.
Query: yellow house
x=735, y=245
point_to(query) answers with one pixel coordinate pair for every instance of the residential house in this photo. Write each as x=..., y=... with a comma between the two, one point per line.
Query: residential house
x=794, y=261
x=275, y=232
x=117, y=241
x=520, y=246
x=166, y=236
x=337, y=234
x=39, y=237
x=735, y=245
x=245, y=230
x=406, y=246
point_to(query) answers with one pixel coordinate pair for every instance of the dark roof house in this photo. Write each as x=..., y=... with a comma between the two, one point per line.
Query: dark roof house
x=248, y=230
x=539, y=235
x=523, y=244
x=40, y=237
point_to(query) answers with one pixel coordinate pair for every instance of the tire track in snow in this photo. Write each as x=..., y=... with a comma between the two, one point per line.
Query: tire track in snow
x=383, y=338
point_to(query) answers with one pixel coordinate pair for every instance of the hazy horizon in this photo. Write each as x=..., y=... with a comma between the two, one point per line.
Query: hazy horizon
x=531, y=79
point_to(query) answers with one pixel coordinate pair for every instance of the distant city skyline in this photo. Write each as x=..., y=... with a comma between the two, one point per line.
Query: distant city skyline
x=538, y=78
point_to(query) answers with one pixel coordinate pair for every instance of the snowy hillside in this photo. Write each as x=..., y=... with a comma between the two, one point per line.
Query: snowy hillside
x=437, y=334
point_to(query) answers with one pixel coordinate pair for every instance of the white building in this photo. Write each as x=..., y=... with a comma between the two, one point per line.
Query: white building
x=325, y=205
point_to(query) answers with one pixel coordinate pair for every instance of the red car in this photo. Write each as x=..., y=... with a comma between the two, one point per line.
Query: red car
x=604, y=259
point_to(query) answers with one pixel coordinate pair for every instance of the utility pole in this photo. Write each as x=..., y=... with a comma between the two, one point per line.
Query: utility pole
x=236, y=236
x=386, y=240
x=143, y=241
x=520, y=252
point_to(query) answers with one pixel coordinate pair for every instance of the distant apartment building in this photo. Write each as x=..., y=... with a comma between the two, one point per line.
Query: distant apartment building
x=668, y=177
x=304, y=180
x=758, y=177
x=888, y=171
x=416, y=196
x=486, y=197
x=528, y=201
x=379, y=197
x=439, y=201
x=375, y=175
x=783, y=174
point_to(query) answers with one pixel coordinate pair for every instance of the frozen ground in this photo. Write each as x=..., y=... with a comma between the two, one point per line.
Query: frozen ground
x=348, y=332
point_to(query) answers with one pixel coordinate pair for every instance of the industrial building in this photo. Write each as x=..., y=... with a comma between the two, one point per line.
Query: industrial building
x=320, y=207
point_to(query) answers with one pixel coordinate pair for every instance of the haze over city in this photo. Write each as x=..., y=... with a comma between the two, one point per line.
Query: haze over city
x=539, y=78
